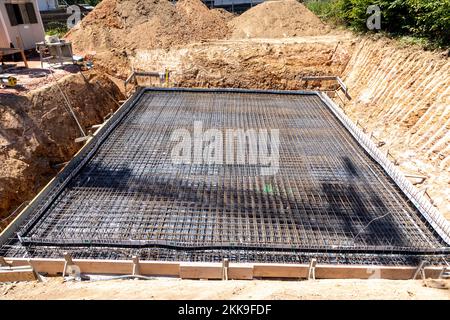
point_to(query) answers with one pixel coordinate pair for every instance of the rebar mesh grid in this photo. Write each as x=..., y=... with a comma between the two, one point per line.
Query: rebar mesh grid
x=329, y=199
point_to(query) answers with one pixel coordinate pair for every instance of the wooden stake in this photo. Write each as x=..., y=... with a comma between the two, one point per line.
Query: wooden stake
x=33, y=270
x=3, y=262
x=225, y=265
x=420, y=270
x=68, y=262
x=22, y=53
x=312, y=269
x=136, y=268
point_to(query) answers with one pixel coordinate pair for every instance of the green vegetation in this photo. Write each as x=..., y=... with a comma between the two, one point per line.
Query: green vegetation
x=411, y=18
x=56, y=29
x=325, y=9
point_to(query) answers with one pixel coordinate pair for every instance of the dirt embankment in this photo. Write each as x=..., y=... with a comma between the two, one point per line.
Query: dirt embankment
x=116, y=29
x=37, y=132
x=260, y=64
x=401, y=94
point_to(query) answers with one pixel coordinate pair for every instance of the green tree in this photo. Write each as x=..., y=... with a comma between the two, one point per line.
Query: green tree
x=422, y=18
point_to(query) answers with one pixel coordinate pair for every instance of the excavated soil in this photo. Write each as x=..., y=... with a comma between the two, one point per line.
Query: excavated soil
x=250, y=63
x=115, y=28
x=401, y=94
x=37, y=133
x=277, y=19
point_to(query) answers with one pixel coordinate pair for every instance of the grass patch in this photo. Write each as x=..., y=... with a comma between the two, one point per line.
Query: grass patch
x=326, y=10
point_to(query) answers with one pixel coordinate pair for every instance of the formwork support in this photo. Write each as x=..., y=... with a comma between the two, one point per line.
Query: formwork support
x=420, y=270
x=17, y=274
x=341, y=83
x=3, y=262
x=312, y=270
x=136, y=266
x=163, y=76
x=67, y=262
x=225, y=265
x=235, y=271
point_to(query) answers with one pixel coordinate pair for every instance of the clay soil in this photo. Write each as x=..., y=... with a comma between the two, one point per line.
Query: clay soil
x=37, y=133
x=118, y=27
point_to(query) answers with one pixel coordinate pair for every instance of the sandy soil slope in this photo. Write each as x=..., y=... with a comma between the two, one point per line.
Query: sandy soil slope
x=250, y=63
x=37, y=132
x=402, y=95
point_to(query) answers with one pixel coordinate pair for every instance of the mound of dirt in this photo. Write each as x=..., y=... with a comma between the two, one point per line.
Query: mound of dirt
x=119, y=27
x=277, y=19
x=37, y=132
x=116, y=29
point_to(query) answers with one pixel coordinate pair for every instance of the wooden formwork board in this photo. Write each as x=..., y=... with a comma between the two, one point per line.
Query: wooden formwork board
x=236, y=271
x=26, y=274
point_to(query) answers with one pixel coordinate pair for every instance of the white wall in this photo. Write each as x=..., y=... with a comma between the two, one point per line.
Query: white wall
x=46, y=5
x=29, y=33
x=4, y=39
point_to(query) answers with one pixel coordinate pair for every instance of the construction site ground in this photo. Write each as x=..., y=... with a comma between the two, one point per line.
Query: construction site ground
x=400, y=95
x=167, y=288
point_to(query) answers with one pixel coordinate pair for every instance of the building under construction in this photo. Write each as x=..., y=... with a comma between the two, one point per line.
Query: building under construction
x=336, y=204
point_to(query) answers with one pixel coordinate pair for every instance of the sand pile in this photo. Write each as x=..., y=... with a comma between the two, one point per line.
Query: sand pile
x=117, y=27
x=277, y=19
x=147, y=23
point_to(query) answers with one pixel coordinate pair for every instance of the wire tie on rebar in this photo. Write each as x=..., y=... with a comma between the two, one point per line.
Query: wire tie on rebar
x=225, y=265
x=312, y=269
x=136, y=266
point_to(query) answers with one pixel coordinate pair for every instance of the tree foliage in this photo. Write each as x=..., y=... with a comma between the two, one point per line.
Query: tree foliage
x=422, y=18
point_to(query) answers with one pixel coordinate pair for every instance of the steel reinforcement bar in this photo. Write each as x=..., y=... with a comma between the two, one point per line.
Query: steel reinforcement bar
x=431, y=214
x=42, y=227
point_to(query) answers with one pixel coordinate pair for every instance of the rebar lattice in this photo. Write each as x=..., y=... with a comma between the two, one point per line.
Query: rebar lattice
x=329, y=198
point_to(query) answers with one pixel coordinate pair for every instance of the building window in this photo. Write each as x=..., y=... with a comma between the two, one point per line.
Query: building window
x=21, y=13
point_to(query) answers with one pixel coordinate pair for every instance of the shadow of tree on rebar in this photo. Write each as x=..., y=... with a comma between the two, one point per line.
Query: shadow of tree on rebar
x=347, y=213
